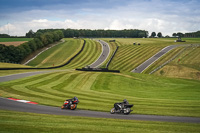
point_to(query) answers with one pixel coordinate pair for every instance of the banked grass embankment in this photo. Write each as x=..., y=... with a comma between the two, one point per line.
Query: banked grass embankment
x=57, y=55
x=168, y=56
x=129, y=57
x=90, y=53
x=53, y=67
x=186, y=65
x=99, y=91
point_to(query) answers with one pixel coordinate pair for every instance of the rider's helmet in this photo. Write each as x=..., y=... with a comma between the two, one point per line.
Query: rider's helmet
x=75, y=98
x=124, y=100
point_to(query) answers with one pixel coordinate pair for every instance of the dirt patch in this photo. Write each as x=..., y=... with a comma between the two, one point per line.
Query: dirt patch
x=17, y=43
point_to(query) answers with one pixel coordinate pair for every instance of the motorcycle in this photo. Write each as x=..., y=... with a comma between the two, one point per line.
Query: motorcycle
x=70, y=104
x=126, y=109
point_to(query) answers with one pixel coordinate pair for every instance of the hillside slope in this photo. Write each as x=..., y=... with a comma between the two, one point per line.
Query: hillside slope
x=57, y=55
x=99, y=91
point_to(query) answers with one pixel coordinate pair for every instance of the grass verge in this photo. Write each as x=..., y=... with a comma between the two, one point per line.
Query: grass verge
x=29, y=122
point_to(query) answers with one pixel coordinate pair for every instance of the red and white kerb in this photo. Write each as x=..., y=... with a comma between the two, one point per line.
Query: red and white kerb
x=23, y=101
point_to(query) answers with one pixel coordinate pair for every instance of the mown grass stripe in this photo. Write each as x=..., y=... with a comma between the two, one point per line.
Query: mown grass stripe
x=84, y=55
x=89, y=54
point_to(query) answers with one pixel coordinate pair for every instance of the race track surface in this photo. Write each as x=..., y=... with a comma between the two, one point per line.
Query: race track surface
x=18, y=76
x=151, y=60
x=23, y=75
x=103, y=56
x=6, y=104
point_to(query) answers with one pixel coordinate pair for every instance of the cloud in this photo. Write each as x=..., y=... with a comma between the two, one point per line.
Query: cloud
x=152, y=15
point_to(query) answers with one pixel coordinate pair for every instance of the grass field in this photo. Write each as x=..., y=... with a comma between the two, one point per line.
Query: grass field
x=186, y=65
x=153, y=41
x=63, y=52
x=164, y=59
x=130, y=56
x=29, y=122
x=150, y=94
x=57, y=55
x=11, y=65
x=14, y=39
x=90, y=53
x=99, y=91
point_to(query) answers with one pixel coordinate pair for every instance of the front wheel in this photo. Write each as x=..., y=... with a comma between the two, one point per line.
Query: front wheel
x=62, y=107
x=112, y=111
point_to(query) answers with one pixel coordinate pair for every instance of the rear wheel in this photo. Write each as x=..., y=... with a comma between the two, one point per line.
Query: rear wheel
x=112, y=111
x=127, y=111
x=73, y=106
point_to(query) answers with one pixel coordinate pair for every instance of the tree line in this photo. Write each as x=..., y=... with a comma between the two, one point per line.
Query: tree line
x=70, y=33
x=192, y=34
x=153, y=34
x=18, y=53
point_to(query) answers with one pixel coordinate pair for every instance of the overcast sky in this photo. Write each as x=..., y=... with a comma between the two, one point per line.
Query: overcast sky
x=17, y=17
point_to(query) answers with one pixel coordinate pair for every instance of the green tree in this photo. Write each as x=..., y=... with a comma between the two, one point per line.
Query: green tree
x=174, y=34
x=30, y=34
x=159, y=34
x=2, y=52
x=38, y=43
x=180, y=34
x=153, y=34
x=32, y=45
x=22, y=53
x=141, y=34
x=60, y=34
x=27, y=49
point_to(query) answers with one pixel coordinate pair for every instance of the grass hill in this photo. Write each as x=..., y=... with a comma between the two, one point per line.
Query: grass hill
x=150, y=94
x=11, y=65
x=57, y=55
x=130, y=56
x=99, y=91
x=90, y=53
x=186, y=65
x=63, y=52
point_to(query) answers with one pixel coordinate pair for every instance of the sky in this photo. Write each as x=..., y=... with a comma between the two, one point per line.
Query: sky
x=17, y=17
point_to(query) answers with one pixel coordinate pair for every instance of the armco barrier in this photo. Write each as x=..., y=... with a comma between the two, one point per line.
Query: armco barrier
x=112, y=57
x=50, y=67
x=98, y=70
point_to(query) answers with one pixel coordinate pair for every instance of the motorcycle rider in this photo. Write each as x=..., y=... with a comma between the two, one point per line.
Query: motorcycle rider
x=71, y=100
x=121, y=105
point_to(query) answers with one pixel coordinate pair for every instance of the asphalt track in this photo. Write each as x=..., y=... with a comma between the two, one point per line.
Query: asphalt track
x=22, y=75
x=154, y=58
x=103, y=56
x=6, y=104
